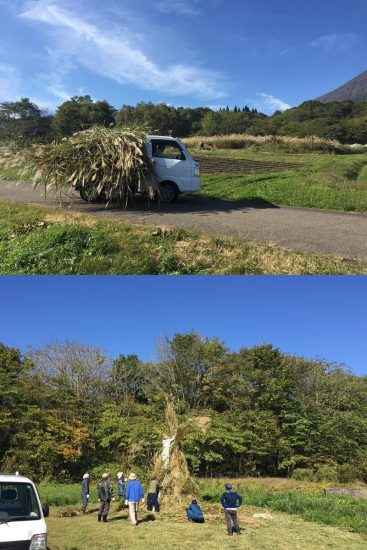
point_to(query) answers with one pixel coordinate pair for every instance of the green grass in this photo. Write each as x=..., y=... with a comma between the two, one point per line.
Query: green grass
x=37, y=240
x=341, y=512
x=300, y=520
x=172, y=531
x=334, y=182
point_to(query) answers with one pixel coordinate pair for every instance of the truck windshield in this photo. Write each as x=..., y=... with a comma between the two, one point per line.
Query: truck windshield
x=18, y=501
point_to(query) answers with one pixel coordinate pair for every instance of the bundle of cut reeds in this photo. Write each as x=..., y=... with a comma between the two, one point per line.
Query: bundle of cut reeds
x=108, y=163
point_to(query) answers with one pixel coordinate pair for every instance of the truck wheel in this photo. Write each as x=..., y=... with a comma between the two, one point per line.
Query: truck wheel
x=88, y=193
x=168, y=192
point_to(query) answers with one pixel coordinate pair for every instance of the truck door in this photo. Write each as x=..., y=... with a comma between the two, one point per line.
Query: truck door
x=171, y=163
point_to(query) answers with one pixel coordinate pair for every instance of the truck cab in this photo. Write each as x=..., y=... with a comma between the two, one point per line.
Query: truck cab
x=22, y=517
x=177, y=171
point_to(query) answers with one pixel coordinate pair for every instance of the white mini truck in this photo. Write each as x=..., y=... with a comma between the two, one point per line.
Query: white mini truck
x=22, y=517
x=177, y=171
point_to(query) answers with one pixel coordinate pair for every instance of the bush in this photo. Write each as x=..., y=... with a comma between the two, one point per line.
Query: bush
x=303, y=474
x=347, y=473
x=325, y=472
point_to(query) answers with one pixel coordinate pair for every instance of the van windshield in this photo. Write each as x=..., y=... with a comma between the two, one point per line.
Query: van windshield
x=18, y=502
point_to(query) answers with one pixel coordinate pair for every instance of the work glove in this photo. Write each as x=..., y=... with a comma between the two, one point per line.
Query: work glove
x=142, y=500
x=126, y=502
x=87, y=496
x=99, y=500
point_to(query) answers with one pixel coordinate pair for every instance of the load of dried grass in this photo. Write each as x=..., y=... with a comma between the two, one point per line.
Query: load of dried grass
x=108, y=163
x=176, y=481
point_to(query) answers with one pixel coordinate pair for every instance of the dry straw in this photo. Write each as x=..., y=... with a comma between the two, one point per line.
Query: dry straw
x=177, y=481
x=103, y=163
x=286, y=143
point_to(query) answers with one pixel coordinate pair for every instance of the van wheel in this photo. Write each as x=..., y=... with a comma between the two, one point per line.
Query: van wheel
x=168, y=192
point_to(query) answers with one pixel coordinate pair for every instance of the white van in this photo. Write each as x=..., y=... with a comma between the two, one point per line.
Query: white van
x=176, y=170
x=22, y=517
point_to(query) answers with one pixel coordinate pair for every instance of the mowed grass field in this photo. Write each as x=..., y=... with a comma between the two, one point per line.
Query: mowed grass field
x=58, y=242
x=69, y=530
x=316, y=180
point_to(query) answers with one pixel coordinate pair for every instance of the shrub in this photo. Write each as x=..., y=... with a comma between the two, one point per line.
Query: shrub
x=326, y=472
x=347, y=473
x=303, y=474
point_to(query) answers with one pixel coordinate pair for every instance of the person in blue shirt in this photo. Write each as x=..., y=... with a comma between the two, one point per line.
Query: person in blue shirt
x=231, y=501
x=134, y=494
x=194, y=513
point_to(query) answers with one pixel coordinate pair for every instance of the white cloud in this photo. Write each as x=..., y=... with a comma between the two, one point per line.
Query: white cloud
x=335, y=42
x=9, y=82
x=177, y=6
x=270, y=103
x=115, y=55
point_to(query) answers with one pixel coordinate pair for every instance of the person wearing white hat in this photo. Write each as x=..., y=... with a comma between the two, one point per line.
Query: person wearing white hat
x=105, y=495
x=85, y=492
x=121, y=485
x=134, y=494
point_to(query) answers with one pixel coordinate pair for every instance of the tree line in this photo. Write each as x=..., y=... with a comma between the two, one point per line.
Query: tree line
x=24, y=122
x=67, y=408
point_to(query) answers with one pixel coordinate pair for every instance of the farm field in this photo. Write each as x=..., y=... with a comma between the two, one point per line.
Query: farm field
x=68, y=529
x=36, y=240
x=311, y=180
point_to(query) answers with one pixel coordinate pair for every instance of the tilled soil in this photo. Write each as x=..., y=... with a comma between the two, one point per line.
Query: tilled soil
x=216, y=165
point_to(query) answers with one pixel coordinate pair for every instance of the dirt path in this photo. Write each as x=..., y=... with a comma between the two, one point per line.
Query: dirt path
x=300, y=229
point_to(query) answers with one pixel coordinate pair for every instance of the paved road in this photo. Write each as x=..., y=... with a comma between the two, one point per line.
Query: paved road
x=305, y=230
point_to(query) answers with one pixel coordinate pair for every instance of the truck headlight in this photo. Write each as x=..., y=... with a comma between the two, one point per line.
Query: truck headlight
x=197, y=169
x=39, y=542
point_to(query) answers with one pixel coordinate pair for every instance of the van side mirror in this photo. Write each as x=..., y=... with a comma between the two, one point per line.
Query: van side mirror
x=46, y=510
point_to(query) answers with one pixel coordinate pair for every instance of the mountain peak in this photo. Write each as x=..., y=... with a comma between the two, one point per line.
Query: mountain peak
x=354, y=90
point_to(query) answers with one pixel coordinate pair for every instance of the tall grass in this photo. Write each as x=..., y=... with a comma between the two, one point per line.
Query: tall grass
x=342, y=512
x=270, y=143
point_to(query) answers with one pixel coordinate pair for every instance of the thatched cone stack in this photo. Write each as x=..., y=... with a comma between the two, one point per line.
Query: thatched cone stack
x=177, y=481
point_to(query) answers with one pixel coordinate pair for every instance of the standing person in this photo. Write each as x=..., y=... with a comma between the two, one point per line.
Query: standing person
x=134, y=494
x=105, y=495
x=167, y=440
x=121, y=486
x=85, y=492
x=231, y=501
x=152, y=499
x=194, y=513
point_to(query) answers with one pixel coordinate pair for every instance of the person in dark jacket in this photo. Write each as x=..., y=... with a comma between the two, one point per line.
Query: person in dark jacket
x=121, y=486
x=134, y=494
x=194, y=513
x=105, y=495
x=152, y=498
x=230, y=501
x=85, y=492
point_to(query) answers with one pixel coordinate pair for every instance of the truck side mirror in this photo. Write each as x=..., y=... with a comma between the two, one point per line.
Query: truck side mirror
x=46, y=510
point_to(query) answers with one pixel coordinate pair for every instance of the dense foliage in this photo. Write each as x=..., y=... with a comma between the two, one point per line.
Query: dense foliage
x=67, y=407
x=24, y=122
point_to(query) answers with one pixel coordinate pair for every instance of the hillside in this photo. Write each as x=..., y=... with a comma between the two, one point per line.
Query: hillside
x=355, y=90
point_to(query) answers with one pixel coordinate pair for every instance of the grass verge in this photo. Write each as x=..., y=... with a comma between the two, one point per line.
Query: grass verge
x=49, y=241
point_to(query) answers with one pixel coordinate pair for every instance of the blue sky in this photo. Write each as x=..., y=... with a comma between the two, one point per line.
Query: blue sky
x=317, y=317
x=264, y=53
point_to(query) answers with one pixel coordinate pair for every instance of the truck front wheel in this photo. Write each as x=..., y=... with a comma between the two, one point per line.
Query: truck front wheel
x=168, y=191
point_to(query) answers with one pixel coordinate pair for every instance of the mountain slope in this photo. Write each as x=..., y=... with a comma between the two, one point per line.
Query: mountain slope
x=354, y=90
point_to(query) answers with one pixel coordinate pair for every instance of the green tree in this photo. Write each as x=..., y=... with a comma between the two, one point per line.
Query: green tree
x=81, y=112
